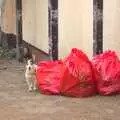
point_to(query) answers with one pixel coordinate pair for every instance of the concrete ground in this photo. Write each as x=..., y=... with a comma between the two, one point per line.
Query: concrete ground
x=16, y=103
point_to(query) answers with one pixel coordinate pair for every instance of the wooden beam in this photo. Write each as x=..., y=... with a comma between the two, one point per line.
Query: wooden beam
x=97, y=26
x=53, y=29
x=19, y=44
x=2, y=3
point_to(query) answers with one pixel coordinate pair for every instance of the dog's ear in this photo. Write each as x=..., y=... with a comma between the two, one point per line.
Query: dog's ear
x=31, y=61
x=33, y=58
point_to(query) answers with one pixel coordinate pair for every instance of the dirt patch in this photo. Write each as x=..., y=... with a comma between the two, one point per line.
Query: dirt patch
x=16, y=103
x=8, y=54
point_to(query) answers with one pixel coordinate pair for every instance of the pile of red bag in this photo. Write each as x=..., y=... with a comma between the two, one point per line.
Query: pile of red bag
x=107, y=67
x=48, y=77
x=77, y=76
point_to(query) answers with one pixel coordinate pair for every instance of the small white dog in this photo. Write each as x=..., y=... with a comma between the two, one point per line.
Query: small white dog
x=30, y=75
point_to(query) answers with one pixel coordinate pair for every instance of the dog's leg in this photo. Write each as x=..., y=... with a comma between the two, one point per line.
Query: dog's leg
x=30, y=85
x=35, y=85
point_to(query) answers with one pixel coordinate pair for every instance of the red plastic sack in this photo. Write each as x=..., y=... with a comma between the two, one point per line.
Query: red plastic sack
x=77, y=78
x=48, y=77
x=108, y=73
